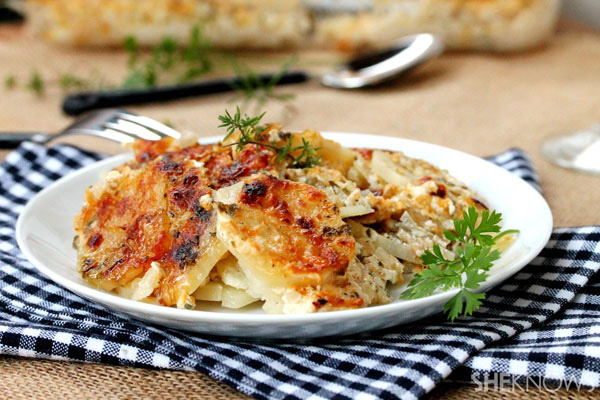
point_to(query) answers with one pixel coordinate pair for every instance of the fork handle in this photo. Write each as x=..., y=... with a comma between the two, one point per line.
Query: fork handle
x=13, y=140
x=82, y=102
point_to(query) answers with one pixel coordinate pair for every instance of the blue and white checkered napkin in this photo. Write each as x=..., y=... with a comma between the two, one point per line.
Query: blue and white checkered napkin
x=544, y=321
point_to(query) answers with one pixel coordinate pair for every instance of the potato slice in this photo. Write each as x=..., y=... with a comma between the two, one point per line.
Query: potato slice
x=236, y=298
x=212, y=291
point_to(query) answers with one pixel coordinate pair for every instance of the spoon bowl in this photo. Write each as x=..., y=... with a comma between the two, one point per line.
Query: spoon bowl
x=374, y=68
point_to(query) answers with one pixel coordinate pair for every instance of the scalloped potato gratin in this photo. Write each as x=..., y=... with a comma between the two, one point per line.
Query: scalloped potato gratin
x=497, y=25
x=208, y=223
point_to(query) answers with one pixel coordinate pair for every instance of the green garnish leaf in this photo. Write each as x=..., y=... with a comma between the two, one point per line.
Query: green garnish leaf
x=308, y=156
x=247, y=126
x=10, y=82
x=144, y=76
x=36, y=84
x=169, y=59
x=487, y=224
x=428, y=280
x=252, y=89
x=454, y=306
x=131, y=47
x=196, y=55
x=474, y=237
x=469, y=300
x=472, y=301
x=251, y=133
x=163, y=55
x=435, y=258
x=69, y=82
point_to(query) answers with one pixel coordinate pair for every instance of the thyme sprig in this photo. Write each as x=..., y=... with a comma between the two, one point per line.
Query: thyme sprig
x=170, y=62
x=36, y=84
x=251, y=88
x=10, y=82
x=184, y=61
x=251, y=133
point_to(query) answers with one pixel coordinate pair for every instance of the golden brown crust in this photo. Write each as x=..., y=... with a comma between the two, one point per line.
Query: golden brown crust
x=149, y=211
x=291, y=226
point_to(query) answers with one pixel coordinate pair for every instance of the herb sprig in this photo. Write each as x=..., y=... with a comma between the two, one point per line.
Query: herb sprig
x=36, y=84
x=252, y=88
x=71, y=83
x=169, y=59
x=171, y=62
x=468, y=270
x=10, y=82
x=251, y=133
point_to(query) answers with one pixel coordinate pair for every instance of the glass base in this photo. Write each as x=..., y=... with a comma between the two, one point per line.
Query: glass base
x=579, y=151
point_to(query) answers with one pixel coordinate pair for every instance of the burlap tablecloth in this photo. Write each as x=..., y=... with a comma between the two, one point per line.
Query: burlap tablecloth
x=481, y=104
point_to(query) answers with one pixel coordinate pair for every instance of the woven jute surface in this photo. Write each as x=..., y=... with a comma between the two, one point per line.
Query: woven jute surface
x=43, y=379
x=481, y=104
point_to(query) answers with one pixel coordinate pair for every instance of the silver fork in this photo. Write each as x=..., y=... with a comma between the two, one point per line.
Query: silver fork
x=113, y=124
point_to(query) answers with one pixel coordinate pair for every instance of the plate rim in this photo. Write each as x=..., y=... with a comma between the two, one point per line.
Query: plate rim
x=116, y=302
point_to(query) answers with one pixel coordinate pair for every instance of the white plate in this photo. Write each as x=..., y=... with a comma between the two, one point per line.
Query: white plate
x=45, y=233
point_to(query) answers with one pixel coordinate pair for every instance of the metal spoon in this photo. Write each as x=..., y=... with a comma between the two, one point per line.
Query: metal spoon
x=369, y=69
x=374, y=68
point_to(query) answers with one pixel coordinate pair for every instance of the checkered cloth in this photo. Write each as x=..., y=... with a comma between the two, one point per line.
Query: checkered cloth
x=543, y=321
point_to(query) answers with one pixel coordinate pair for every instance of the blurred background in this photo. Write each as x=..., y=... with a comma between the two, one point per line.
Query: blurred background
x=587, y=11
x=514, y=72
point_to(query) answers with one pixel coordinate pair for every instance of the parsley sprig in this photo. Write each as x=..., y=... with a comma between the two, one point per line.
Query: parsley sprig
x=475, y=257
x=251, y=133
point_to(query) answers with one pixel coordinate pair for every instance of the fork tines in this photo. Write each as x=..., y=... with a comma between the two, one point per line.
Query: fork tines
x=121, y=126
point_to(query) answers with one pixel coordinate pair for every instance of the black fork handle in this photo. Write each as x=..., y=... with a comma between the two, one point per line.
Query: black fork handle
x=10, y=140
x=82, y=102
